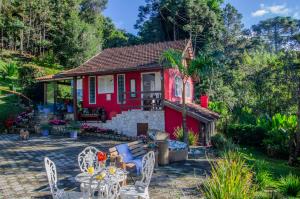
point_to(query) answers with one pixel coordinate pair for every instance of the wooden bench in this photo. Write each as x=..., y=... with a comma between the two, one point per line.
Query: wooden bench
x=137, y=148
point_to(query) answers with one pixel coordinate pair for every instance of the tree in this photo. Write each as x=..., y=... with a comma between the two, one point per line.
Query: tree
x=278, y=32
x=187, y=70
x=169, y=20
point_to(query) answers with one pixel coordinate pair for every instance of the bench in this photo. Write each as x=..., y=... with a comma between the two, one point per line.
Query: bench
x=89, y=114
x=137, y=148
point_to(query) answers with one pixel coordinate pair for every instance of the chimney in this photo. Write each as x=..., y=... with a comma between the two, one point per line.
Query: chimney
x=204, y=101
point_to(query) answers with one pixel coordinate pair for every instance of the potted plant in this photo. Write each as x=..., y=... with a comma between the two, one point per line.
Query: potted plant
x=45, y=127
x=74, y=127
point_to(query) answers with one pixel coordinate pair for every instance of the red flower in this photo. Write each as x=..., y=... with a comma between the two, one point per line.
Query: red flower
x=101, y=156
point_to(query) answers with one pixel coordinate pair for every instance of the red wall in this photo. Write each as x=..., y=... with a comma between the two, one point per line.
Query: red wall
x=173, y=119
x=169, y=76
x=112, y=105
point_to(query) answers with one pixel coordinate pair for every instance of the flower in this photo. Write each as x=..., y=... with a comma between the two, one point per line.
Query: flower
x=101, y=156
x=91, y=170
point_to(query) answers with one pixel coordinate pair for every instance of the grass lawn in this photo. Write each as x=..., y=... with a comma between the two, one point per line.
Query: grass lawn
x=277, y=167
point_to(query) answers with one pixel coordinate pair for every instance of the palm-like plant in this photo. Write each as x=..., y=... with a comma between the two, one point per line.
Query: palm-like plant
x=187, y=69
x=7, y=69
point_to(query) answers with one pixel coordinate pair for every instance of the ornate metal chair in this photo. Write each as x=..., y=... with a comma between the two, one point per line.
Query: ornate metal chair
x=88, y=158
x=52, y=178
x=140, y=189
x=104, y=189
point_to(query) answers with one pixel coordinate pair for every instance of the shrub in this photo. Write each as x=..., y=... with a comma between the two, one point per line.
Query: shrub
x=277, y=143
x=8, y=69
x=193, y=137
x=290, y=185
x=246, y=134
x=220, y=142
x=263, y=179
x=230, y=178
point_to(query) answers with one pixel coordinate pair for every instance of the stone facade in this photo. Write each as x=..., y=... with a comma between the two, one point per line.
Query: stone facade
x=126, y=122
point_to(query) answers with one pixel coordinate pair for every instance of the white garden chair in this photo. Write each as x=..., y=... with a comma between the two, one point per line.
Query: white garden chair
x=88, y=158
x=140, y=189
x=104, y=189
x=52, y=178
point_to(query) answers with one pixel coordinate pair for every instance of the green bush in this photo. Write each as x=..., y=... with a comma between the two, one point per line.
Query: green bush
x=230, y=178
x=263, y=179
x=280, y=129
x=193, y=137
x=290, y=185
x=8, y=69
x=246, y=134
x=220, y=142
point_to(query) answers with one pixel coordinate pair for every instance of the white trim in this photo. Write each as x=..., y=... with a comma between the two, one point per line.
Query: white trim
x=118, y=88
x=95, y=89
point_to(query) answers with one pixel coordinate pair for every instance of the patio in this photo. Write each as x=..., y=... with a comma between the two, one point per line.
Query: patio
x=22, y=172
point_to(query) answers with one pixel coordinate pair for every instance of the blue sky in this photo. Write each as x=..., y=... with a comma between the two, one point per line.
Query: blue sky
x=124, y=12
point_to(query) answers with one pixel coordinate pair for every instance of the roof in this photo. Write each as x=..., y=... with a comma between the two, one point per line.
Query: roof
x=47, y=78
x=137, y=57
x=195, y=111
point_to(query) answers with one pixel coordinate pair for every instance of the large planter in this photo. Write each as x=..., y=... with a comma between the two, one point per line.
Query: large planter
x=45, y=132
x=46, y=110
x=73, y=134
x=69, y=109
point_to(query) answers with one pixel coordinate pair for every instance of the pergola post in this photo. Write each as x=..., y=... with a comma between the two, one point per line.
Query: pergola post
x=55, y=85
x=45, y=93
x=75, y=98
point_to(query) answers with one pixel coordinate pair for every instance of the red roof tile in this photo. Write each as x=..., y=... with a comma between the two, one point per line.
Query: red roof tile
x=138, y=57
x=195, y=109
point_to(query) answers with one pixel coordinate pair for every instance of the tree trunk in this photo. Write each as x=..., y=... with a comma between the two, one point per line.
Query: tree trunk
x=184, y=125
x=295, y=139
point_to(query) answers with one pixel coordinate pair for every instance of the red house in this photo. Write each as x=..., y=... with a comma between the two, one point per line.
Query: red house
x=136, y=91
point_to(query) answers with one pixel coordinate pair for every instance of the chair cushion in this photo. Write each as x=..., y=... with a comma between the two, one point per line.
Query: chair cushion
x=124, y=151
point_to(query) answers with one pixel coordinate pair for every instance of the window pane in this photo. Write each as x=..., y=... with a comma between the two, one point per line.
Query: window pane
x=106, y=84
x=121, y=89
x=187, y=90
x=92, y=90
x=132, y=88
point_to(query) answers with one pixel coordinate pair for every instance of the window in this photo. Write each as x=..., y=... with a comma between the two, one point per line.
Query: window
x=121, y=89
x=106, y=84
x=178, y=87
x=187, y=89
x=92, y=90
x=132, y=88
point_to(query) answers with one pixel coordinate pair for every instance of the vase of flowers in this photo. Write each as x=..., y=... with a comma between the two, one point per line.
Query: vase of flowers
x=101, y=158
x=45, y=127
x=74, y=127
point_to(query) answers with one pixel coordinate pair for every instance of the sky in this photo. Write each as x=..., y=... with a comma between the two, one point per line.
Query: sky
x=124, y=12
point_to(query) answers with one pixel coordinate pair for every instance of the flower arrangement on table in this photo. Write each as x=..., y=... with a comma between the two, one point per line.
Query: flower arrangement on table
x=102, y=157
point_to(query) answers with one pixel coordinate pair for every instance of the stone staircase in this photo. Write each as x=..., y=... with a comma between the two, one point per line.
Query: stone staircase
x=126, y=122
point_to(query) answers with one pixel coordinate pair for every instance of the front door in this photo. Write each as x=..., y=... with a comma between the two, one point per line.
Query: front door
x=148, y=88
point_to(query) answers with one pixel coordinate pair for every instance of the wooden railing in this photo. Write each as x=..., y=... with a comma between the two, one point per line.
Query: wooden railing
x=145, y=100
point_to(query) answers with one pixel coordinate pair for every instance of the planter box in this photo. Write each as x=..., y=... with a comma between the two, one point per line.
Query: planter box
x=73, y=134
x=178, y=155
x=45, y=133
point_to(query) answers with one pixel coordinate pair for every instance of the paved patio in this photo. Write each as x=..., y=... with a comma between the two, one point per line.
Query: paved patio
x=22, y=172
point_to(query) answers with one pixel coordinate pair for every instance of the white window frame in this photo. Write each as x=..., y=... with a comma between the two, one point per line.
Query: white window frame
x=108, y=86
x=178, y=86
x=94, y=91
x=118, y=88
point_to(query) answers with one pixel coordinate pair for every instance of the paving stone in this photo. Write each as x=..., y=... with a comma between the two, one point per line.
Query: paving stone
x=22, y=172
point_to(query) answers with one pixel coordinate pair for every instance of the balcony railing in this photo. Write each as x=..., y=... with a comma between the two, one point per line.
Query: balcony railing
x=145, y=100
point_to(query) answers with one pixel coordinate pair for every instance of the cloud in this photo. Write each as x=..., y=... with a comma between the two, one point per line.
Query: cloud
x=296, y=15
x=275, y=9
x=259, y=13
x=279, y=9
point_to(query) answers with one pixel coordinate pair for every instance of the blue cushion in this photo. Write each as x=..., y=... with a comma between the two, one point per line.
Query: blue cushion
x=124, y=151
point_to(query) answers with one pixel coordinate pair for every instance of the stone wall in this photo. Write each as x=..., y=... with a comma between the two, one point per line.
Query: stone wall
x=126, y=122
